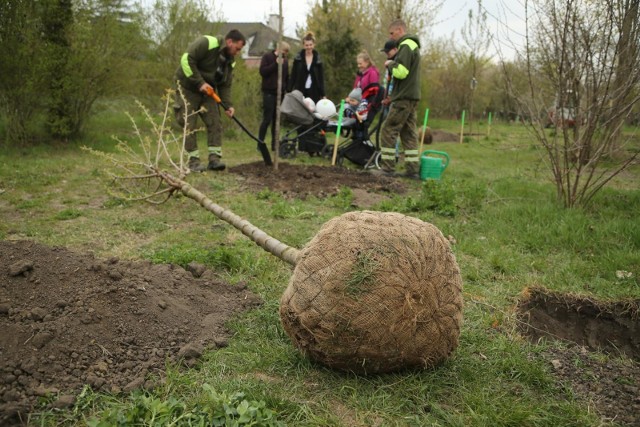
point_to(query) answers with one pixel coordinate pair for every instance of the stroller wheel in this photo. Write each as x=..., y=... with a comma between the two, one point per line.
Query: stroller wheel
x=374, y=161
x=287, y=150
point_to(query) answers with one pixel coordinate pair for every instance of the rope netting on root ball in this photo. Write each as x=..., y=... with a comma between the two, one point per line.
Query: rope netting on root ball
x=372, y=292
x=375, y=292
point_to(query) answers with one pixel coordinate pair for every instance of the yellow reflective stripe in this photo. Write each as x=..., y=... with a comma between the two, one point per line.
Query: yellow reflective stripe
x=233, y=64
x=388, y=150
x=215, y=150
x=194, y=153
x=400, y=72
x=387, y=157
x=410, y=44
x=411, y=155
x=213, y=42
x=184, y=63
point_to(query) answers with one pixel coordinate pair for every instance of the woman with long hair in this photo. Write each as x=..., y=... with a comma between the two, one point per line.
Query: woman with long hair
x=307, y=74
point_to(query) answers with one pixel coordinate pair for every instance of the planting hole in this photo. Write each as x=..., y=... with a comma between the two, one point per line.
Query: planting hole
x=613, y=327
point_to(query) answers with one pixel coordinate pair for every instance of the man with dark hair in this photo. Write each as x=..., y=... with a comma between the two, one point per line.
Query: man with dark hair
x=208, y=63
x=402, y=118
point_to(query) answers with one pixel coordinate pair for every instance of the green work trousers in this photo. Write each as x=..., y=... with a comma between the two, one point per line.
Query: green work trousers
x=210, y=115
x=401, y=121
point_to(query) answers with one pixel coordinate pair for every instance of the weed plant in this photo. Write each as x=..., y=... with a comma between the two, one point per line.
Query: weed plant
x=495, y=204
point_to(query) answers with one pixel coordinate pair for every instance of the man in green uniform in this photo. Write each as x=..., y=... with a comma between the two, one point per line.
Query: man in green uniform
x=402, y=118
x=207, y=63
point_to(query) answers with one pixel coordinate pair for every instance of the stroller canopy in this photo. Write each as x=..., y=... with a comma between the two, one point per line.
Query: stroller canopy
x=294, y=109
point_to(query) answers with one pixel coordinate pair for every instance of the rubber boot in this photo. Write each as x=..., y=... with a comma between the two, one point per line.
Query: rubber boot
x=215, y=164
x=195, y=165
x=411, y=171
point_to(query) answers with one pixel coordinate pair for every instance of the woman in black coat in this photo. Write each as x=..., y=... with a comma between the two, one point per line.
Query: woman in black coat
x=307, y=74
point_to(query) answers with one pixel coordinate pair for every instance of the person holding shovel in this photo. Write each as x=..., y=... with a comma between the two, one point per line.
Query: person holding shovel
x=206, y=65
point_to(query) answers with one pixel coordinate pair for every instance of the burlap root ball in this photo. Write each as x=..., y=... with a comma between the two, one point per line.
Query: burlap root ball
x=375, y=292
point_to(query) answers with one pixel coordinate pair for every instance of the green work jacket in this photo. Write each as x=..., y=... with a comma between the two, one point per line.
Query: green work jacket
x=405, y=70
x=206, y=61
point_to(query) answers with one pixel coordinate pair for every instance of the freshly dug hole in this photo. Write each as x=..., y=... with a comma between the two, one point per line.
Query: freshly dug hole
x=613, y=327
x=375, y=292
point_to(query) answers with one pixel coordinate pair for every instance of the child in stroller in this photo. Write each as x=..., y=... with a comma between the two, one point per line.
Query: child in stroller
x=308, y=134
x=360, y=111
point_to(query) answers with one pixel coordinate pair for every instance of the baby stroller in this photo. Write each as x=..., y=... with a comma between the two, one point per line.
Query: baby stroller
x=309, y=133
x=359, y=148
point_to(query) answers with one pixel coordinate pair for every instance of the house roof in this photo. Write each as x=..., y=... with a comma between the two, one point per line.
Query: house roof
x=260, y=37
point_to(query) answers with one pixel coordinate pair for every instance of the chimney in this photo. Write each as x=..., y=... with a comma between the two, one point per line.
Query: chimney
x=274, y=22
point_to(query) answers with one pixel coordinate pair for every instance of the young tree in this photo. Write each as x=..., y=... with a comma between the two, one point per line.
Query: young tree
x=476, y=36
x=582, y=57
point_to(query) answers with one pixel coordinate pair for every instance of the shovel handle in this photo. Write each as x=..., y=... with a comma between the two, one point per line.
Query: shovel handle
x=212, y=93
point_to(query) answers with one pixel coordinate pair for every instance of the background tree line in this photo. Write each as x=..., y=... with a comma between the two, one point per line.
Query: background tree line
x=58, y=58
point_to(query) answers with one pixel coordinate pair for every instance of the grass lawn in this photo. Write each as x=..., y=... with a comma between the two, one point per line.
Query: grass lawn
x=497, y=202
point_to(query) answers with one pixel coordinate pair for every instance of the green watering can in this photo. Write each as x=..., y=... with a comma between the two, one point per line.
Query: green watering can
x=432, y=167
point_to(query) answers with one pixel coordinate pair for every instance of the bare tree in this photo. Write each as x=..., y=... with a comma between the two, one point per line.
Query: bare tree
x=582, y=57
x=477, y=37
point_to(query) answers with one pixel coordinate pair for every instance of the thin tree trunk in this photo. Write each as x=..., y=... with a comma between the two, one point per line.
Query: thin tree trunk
x=259, y=237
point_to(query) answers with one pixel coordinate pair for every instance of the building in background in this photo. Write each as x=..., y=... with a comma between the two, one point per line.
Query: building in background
x=260, y=38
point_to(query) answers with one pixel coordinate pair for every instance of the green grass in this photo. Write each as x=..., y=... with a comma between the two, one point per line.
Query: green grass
x=495, y=201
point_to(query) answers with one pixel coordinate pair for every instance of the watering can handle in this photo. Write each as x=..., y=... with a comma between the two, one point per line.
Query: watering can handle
x=440, y=153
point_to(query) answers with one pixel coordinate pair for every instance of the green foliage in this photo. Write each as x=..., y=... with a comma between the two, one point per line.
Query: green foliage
x=212, y=409
x=337, y=44
x=443, y=197
x=58, y=60
x=246, y=94
x=23, y=76
x=343, y=199
x=284, y=209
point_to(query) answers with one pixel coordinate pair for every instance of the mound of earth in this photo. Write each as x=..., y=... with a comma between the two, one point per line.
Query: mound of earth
x=300, y=181
x=69, y=319
x=444, y=136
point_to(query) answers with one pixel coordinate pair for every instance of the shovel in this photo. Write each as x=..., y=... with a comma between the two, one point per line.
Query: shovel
x=264, y=150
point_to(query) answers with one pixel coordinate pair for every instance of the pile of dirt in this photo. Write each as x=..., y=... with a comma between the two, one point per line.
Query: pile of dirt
x=301, y=181
x=69, y=319
x=444, y=136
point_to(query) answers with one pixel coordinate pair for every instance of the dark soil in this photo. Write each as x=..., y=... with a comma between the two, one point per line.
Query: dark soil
x=296, y=181
x=69, y=319
x=612, y=383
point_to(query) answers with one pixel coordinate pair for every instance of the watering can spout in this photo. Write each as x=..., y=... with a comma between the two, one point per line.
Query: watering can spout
x=432, y=167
